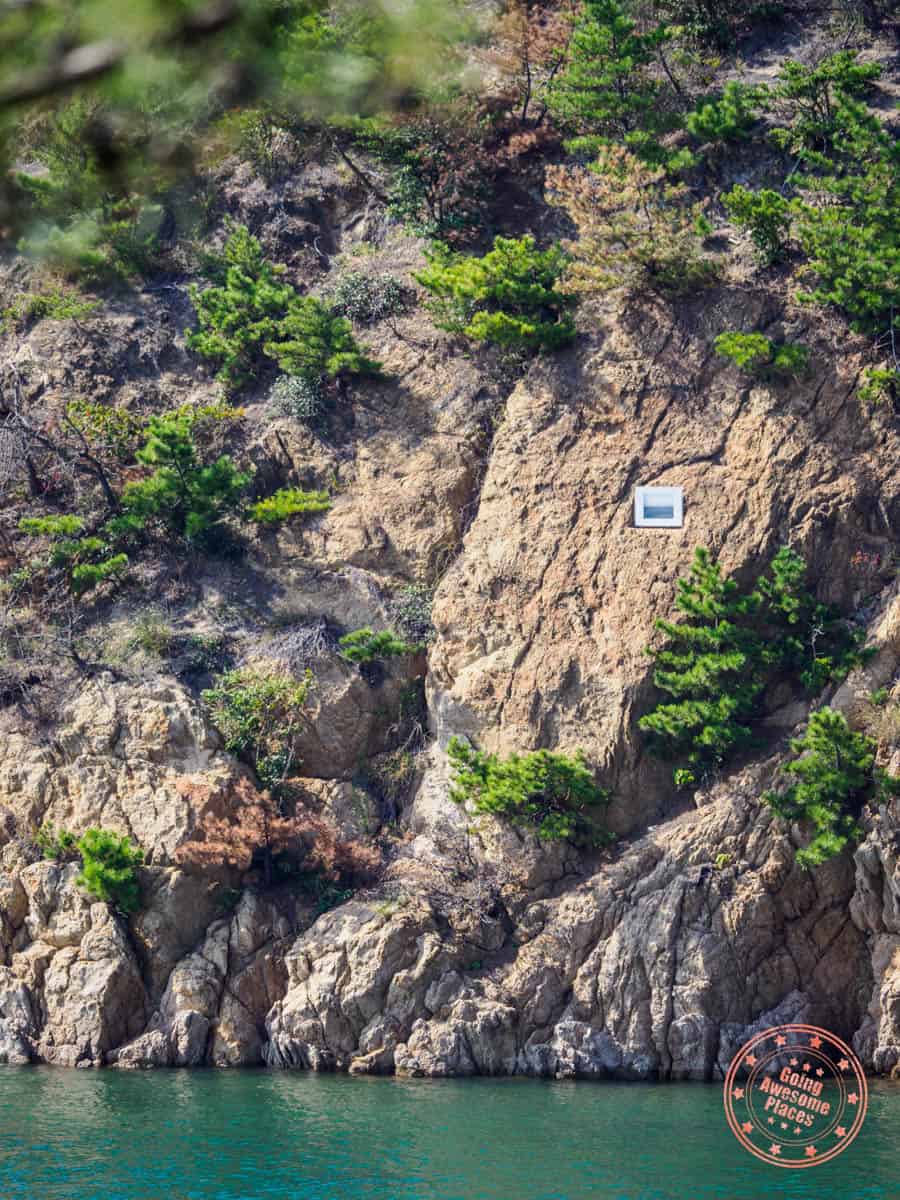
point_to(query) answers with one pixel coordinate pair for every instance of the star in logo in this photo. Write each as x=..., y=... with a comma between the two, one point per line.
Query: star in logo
x=807, y=1066
x=780, y=1041
x=796, y=1129
x=819, y=1072
x=784, y=1124
x=773, y=1149
x=750, y=1060
x=815, y=1042
x=852, y=1098
x=738, y=1093
x=793, y=1062
x=747, y=1127
x=810, y=1152
x=840, y=1131
x=843, y=1065
x=771, y=1120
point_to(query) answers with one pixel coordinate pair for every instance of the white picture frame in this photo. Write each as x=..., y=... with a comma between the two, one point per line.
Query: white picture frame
x=658, y=507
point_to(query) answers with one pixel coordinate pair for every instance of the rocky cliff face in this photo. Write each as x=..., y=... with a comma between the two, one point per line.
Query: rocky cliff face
x=482, y=951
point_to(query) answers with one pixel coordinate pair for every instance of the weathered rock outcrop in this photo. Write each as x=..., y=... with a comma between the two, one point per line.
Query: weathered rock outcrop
x=545, y=615
x=481, y=951
x=653, y=965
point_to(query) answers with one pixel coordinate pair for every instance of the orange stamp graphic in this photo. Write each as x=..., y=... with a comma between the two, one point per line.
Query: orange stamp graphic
x=795, y=1096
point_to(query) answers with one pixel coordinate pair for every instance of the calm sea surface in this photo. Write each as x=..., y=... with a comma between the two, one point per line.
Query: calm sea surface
x=254, y=1135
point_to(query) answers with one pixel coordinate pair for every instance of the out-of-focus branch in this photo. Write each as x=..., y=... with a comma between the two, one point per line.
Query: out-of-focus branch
x=97, y=59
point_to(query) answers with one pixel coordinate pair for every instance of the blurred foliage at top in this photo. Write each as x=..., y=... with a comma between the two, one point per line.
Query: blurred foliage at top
x=101, y=103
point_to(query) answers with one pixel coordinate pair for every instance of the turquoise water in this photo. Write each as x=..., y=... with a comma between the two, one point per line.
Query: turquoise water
x=205, y=1135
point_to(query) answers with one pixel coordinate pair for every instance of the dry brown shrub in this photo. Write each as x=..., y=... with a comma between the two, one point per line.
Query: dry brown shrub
x=256, y=831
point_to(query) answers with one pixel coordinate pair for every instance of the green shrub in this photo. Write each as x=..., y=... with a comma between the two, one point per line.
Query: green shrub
x=730, y=645
x=251, y=313
x=312, y=340
x=188, y=497
x=411, y=610
x=53, y=304
x=878, y=385
x=730, y=118
x=439, y=161
x=289, y=502
x=259, y=714
x=766, y=216
x=109, y=868
x=759, y=355
x=714, y=21
x=108, y=430
x=815, y=95
x=832, y=768
x=509, y=296
x=849, y=223
x=368, y=298
x=550, y=793
x=366, y=646
x=152, y=635
x=259, y=138
x=390, y=775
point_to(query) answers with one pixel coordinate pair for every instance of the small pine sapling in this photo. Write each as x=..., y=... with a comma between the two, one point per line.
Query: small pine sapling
x=109, y=868
x=758, y=355
x=832, y=768
x=365, y=646
x=289, y=502
x=509, y=296
x=551, y=793
x=729, y=118
x=313, y=341
x=766, y=216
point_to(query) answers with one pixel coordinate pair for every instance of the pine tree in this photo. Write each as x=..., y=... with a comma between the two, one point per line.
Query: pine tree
x=848, y=224
x=251, y=314
x=832, y=768
x=366, y=646
x=809, y=640
x=636, y=229
x=765, y=214
x=710, y=665
x=551, y=793
x=109, y=868
x=509, y=296
x=238, y=317
x=606, y=89
x=717, y=662
x=313, y=342
x=188, y=496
